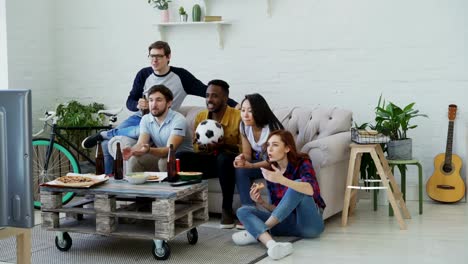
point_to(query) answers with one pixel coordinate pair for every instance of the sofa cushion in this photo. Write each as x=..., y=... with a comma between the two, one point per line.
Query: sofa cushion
x=308, y=124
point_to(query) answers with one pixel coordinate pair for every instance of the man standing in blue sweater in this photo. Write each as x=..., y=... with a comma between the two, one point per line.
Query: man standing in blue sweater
x=180, y=81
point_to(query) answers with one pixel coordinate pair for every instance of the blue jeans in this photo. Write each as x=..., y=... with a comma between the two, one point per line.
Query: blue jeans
x=130, y=127
x=297, y=213
x=244, y=178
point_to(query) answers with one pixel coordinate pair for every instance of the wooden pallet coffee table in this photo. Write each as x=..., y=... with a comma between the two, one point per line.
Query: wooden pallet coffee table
x=160, y=210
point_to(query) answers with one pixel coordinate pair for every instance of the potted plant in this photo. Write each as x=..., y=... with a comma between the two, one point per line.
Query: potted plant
x=183, y=14
x=394, y=121
x=76, y=114
x=162, y=5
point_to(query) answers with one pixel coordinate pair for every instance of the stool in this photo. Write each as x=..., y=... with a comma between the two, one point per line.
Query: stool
x=23, y=242
x=388, y=181
x=405, y=163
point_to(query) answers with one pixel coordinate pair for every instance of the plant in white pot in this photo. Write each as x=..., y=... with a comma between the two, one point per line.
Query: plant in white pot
x=162, y=5
x=394, y=121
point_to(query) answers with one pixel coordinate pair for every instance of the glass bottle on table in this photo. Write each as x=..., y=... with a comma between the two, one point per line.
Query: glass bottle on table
x=118, y=163
x=99, y=160
x=172, y=175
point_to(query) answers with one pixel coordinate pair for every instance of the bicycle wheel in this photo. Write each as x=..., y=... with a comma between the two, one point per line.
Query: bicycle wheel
x=61, y=162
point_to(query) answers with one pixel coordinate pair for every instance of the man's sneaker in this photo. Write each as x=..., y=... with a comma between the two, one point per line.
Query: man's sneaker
x=243, y=238
x=240, y=226
x=92, y=141
x=227, y=220
x=280, y=250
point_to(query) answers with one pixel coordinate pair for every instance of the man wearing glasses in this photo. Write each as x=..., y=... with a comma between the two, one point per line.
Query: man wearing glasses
x=180, y=81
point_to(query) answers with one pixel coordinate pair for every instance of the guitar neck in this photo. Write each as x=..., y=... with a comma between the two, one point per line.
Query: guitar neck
x=448, y=149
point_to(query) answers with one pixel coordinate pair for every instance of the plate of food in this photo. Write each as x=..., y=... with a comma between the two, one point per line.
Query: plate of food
x=155, y=176
x=77, y=180
x=190, y=175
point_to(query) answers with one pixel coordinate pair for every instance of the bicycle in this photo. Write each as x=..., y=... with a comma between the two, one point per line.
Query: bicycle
x=52, y=159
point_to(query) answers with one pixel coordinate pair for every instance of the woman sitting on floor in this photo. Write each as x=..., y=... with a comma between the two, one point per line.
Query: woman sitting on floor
x=297, y=206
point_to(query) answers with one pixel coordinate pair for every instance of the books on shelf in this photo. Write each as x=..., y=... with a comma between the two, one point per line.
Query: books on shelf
x=213, y=18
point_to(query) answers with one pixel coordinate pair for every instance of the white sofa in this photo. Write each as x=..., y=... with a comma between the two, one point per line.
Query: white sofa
x=323, y=133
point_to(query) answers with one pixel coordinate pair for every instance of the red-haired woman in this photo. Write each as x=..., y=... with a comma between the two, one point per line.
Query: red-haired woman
x=297, y=206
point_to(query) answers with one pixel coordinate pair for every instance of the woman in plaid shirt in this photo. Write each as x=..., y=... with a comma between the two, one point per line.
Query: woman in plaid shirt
x=296, y=208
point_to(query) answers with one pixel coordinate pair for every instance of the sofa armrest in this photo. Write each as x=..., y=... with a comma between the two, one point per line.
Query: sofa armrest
x=124, y=142
x=328, y=150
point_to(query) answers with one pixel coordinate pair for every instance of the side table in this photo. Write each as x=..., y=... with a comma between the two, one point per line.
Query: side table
x=404, y=163
x=388, y=181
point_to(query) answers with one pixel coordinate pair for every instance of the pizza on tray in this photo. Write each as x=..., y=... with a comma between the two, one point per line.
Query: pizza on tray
x=74, y=179
x=77, y=181
x=153, y=178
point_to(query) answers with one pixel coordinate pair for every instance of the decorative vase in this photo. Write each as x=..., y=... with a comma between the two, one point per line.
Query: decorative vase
x=183, y=18
x=196, y=13
x=165, y=16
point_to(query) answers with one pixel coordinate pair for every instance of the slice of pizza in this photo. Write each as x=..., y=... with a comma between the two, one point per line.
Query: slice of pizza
x=258, y=185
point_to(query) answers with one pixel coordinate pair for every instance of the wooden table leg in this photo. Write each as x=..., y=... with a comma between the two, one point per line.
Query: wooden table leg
x=23, y=247
x=349, y=182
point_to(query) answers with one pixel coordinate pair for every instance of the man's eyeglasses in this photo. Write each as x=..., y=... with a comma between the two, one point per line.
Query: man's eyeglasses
x=156, y=56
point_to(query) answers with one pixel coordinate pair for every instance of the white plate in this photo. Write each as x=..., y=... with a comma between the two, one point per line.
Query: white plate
x=161, y=175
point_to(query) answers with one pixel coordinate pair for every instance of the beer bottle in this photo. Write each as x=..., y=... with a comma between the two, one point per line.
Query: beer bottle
x=118, y=164
x=172, y=175
x=99, y=160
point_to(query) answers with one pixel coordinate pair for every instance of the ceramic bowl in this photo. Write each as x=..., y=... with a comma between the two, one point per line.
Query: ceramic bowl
x=136, y=177
x=190, y=175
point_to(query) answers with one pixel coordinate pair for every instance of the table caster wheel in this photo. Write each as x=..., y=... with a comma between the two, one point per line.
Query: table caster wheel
x=192, y=236
x=63, y=241
x=163, y=252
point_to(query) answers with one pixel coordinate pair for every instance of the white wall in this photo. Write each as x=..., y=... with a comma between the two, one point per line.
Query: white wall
x=3, y=48
x=332, y=53
x=31, y=43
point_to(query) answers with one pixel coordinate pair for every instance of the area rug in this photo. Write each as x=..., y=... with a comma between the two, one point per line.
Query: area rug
x=214, y=246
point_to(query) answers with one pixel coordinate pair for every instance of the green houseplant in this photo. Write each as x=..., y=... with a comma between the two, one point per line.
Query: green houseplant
x=76, y=114
x=394, y=121
x=183, y=14
x=160, y=4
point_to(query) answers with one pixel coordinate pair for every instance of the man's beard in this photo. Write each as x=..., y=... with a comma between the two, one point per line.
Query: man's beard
x=215, y=110
x=158, y=114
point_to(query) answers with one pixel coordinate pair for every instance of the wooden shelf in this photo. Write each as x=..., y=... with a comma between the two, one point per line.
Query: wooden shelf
x=218, y=24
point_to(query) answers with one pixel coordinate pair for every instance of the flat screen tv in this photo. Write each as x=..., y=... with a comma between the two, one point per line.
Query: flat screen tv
x=16, y=196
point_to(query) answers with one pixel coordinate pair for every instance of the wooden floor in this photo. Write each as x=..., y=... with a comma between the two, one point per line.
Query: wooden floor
x=440, y=235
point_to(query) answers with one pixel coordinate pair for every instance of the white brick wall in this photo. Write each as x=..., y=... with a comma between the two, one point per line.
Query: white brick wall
x=31, y=59
x=343, y=53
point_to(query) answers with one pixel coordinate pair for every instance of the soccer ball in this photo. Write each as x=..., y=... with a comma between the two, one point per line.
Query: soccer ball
x=209, y=131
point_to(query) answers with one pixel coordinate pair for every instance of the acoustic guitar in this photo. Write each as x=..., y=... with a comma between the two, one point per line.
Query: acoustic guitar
x=445, y=184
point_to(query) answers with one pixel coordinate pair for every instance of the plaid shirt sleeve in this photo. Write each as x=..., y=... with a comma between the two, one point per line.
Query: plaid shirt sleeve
x=306, y=173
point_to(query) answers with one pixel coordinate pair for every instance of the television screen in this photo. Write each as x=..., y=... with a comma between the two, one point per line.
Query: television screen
x=16, y=197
